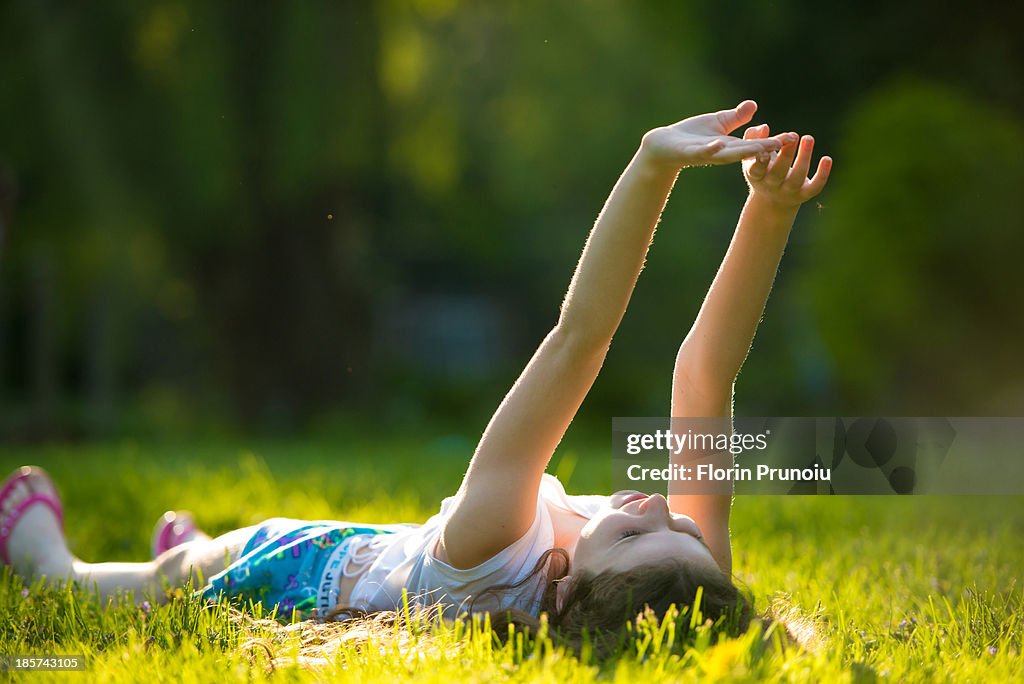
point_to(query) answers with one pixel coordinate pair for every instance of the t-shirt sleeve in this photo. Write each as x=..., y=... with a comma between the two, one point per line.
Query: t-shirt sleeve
x=431, y=579
x=586, y=505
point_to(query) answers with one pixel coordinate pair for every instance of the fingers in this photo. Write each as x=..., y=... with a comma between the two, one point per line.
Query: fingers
x=713, y=147
x=756, y=132
x=756, y=138
x=738, y=149
x=797, y=181
x=757, y=170
x=731, y=119
x=745, y=149
x=779, y=168
x=798, y=174
x=761, y=132
x=817, y=183
x=781, y=174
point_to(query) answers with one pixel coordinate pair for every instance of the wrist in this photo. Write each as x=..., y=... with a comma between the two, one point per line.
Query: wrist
x=653, y=158
x=648, y=168
x=764, y=216
x=766, y=205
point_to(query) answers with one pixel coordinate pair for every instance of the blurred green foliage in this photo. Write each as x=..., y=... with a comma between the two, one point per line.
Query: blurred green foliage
x=919, y=254
x=279, y=217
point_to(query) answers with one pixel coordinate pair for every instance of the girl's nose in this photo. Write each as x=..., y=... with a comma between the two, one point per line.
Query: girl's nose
x=686, y=525
x=656, y=508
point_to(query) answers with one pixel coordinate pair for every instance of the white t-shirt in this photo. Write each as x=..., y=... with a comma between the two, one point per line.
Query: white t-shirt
x=406, y=560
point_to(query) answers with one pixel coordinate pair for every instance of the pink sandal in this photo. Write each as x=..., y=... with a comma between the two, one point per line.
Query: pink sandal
x=173, y=528
x=10, y=519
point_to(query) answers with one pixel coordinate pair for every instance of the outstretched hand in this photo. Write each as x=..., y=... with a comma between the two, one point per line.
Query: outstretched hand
x=781, y=177
x=704, y=139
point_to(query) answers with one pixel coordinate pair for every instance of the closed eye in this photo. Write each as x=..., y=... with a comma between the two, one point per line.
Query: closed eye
x=630, y=533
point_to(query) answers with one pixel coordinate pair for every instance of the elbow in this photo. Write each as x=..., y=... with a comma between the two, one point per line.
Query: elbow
x=698, y=390
x=580, y=344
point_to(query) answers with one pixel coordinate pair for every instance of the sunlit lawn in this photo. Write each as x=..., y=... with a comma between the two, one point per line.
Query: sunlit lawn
x=900, y=588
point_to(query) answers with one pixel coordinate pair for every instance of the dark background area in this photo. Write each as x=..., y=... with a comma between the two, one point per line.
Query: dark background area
x=309, y=218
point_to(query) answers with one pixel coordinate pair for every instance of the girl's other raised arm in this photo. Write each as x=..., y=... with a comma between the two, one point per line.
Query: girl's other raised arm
x=497, y=501
x=710, y=357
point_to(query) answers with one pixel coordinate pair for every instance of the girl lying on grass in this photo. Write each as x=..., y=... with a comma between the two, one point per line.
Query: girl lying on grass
x=510, y=541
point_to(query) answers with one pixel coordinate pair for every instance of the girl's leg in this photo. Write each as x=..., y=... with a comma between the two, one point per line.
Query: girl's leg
x=37, y=548
x=197, y=559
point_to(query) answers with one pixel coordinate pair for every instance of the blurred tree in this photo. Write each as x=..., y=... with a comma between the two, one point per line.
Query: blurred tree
x=910, y=275
x=510, y=126
x=810, y=60
x=76, y=248
x=283, y=124
x=264, y=207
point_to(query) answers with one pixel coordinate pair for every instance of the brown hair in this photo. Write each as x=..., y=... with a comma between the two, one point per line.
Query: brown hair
x=597, y=611
x=598, y=607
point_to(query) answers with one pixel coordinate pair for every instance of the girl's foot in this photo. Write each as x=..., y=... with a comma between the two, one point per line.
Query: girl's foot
x=32, y=525
x=173, y=528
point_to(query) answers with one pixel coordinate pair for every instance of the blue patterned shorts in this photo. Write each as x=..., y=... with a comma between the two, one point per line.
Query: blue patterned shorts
x=292, y=565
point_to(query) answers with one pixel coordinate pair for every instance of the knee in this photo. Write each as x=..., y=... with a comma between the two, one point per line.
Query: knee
x=176, y=564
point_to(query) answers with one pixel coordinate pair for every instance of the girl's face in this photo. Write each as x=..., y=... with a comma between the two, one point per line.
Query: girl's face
x=637, y=529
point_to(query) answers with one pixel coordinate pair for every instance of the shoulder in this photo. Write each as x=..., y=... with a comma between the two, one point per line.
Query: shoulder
x=434, y=578
x=553, y=492
x=539, y=533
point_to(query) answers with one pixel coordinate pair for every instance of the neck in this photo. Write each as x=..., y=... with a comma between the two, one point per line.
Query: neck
x=567, y=528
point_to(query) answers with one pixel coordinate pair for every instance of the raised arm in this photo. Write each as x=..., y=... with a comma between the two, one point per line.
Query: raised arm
x=710, y=357
x=497, y=501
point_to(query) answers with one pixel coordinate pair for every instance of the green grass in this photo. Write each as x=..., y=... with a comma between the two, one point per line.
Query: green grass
x=900, y=589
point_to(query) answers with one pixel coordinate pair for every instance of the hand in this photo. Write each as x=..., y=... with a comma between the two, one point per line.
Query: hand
x=780, y=179
x=703, y=140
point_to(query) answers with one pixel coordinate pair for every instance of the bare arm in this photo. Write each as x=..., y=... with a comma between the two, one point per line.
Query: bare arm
x=497, y=501
x=710, y=357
